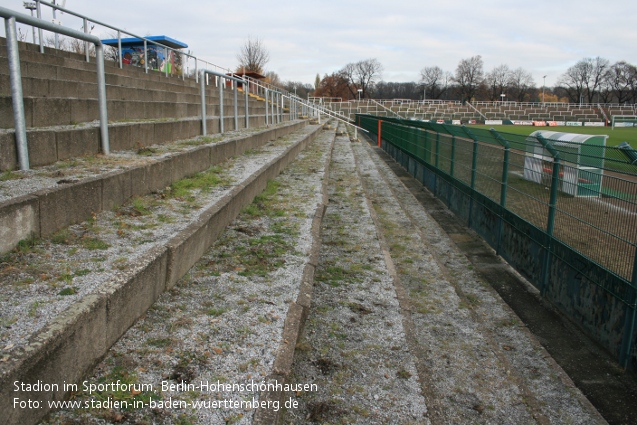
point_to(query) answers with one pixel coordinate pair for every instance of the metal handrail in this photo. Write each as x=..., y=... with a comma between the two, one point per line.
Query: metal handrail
x=10, y=19
x=202, y=83
x=87, y=19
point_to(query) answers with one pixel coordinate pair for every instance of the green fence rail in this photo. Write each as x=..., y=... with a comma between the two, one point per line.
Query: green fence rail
x=562, y=212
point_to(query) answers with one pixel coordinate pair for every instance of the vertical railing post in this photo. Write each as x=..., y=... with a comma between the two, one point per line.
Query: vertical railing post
x=246, y=86
x=101, y=98
x=380, y=129
x=266, y=107
x=236, y=104
x=39, y=14
x=119, y=49
x=15, y=77
x=85, y=21
x=202, y=92
x=145, y=56
x=221, y=84
x=166, y=61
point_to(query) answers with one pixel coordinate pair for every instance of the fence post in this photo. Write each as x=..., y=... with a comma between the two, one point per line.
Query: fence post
x=453, y=155
x=380, y=126
x=437, y=150
x=504, y=184
x=474, y=171
x=552, y=207
x=474, y=160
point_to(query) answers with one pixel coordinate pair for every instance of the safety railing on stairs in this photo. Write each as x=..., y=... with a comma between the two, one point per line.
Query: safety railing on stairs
x=86, y=23
x=10, y=19
x=275, y=97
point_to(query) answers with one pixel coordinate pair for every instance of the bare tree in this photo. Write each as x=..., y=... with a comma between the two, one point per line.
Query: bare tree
x=584, y=79
x=520, y=84
x=618, y=80
x=253, y=56
x=469, y=76
x=435, y=81
x=497, y=81
x=273, y=78
x=362, y=75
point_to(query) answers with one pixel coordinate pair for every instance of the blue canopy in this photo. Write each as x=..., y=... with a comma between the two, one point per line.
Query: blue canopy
x=134, y=41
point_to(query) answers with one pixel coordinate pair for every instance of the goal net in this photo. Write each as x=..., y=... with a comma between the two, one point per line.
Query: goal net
x=624, y=121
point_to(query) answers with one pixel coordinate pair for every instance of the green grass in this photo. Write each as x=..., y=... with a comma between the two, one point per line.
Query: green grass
x=202, y=181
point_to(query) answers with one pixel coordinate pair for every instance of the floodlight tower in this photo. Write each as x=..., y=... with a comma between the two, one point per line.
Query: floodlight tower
x=543, y=85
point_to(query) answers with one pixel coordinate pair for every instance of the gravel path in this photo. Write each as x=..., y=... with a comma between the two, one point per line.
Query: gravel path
x=223, y=323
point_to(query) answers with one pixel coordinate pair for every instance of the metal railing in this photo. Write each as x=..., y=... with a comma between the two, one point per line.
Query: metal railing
x=87, y=20
x=275, y=97
x=235, y=85
x=10, y=19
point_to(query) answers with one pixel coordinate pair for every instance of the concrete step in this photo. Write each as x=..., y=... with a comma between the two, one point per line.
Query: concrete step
x=48, y=112
x=112, y=268
x=407, y=309
x=41, y=201
x=51, y=144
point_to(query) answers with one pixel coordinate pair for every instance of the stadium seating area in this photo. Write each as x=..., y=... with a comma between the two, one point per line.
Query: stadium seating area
x=481, y=111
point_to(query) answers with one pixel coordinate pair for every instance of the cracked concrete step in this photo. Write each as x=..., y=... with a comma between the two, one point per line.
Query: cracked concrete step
x=91, y=282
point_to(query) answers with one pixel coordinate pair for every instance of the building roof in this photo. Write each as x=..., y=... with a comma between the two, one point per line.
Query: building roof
x=134, y=41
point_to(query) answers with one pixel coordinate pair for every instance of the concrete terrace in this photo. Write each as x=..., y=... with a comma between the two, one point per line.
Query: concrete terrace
x=288, y=253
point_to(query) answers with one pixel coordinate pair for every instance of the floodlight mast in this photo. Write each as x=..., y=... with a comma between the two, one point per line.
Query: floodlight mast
x=543, y=86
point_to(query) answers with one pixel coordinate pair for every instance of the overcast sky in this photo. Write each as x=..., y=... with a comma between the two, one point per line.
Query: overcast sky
x=321, y=36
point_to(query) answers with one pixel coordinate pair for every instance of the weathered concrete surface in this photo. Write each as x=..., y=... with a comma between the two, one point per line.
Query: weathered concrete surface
x=75, y=202
x=66, y=349
x=612, y=391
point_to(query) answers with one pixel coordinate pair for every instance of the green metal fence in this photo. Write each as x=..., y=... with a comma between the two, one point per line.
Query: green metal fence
x=562, y=212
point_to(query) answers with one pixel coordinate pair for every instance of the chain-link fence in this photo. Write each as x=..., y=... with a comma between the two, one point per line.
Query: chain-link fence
x=561, y=208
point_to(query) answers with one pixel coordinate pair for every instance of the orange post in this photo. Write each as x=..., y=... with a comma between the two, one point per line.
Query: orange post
x=380, y=125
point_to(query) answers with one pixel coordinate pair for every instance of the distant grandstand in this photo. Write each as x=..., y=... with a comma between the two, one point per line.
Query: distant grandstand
x=456, y=112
